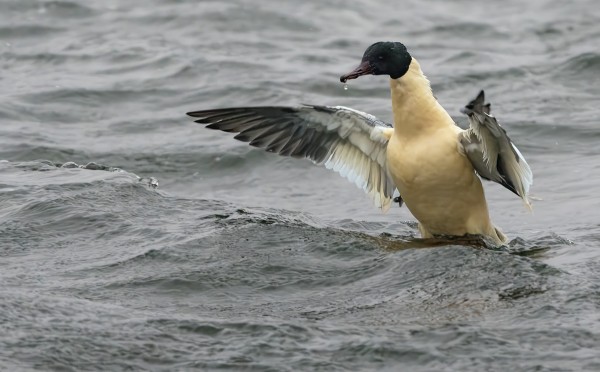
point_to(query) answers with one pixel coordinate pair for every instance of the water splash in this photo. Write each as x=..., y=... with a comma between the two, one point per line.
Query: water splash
x=345, y=86
x=148, y=181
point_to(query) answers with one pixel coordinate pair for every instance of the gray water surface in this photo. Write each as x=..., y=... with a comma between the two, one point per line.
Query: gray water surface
x=240, y=259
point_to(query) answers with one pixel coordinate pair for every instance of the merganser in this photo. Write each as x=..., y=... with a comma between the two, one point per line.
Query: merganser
x=425, y=156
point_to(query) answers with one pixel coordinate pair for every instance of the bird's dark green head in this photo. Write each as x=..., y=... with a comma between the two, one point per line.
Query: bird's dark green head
x=382, y=58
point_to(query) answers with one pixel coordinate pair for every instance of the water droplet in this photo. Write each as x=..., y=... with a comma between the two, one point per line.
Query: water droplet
x=345, y=86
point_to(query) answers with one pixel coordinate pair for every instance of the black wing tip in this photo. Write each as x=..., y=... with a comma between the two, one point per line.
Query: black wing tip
x=257, y=109
x=210, y=125
x=207, y=113
x=511, y=187
x=487, y=108
x=195, y=114
x=477, y=105
x=480, y=99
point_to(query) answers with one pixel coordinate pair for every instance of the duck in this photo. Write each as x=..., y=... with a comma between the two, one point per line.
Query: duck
x=424, y=156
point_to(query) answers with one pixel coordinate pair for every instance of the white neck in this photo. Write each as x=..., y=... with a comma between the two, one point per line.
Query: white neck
x=416, y=111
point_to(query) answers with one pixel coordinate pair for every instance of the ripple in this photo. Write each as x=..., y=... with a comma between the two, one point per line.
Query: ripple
x=238, y=19
x=462, y=29
x=65, y=9
x=582, y=65
x=101, y=270
x=536, y=248
x=90, y=97
x=27, y=31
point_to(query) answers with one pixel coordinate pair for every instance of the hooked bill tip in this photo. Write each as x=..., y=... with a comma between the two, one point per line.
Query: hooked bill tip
x=363, y=69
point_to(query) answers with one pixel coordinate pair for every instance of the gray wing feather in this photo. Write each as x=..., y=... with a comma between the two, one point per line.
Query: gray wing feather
x=348, y=141
x=491, y=151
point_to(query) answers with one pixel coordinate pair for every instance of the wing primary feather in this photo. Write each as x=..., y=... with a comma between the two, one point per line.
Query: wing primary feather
x=342, y=139
x=491, y=151
x=235, y=126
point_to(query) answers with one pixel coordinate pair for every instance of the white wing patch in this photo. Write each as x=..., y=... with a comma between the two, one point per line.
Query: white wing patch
x=523, y=171
x=363, y=163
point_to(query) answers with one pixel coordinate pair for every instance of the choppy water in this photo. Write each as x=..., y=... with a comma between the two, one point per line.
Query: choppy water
x=245, y=260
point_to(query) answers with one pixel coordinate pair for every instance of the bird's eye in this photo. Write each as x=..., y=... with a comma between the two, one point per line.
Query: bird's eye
x=470, y=106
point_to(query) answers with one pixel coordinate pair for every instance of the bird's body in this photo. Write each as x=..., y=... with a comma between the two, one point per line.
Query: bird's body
x=437, y=182
x=425, y=156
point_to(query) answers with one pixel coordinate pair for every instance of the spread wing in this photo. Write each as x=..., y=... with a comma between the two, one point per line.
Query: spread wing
x=348, y=141
x=491, y=151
